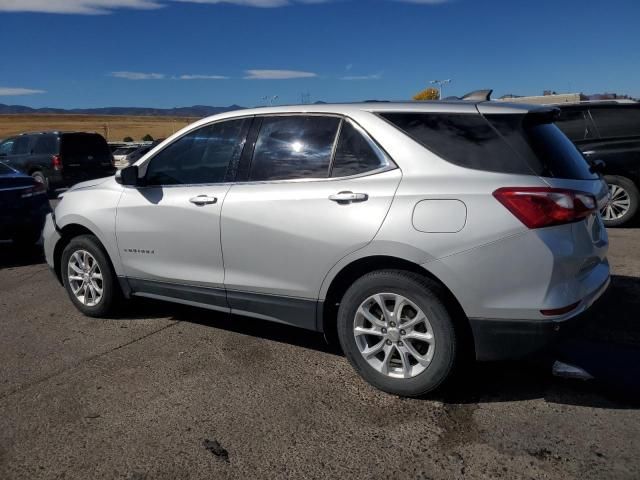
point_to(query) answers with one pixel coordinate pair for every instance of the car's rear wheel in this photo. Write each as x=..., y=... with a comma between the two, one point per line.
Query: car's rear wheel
x=623, y=201
x=40, y=177
x=397, y=333
x=88, y=277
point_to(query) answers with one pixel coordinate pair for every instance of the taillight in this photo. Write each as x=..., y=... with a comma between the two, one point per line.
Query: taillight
x=538, y=207
x=37, y=189
x=56, y=162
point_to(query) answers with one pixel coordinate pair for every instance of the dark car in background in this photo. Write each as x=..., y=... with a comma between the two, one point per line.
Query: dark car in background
x=59, y=159
x=23, y=207
x=609, y=131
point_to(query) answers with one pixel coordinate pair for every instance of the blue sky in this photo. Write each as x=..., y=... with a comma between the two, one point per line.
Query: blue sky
x=166, y=53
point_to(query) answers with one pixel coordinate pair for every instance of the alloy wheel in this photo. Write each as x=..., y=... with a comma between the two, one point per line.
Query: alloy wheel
x=393, y=335
x=618, y=204
x=85, y=278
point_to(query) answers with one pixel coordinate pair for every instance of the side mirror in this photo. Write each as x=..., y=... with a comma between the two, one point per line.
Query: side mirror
x=128, y=176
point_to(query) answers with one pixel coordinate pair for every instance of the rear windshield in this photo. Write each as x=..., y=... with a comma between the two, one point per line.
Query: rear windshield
x=83, y=145
x=499, y=143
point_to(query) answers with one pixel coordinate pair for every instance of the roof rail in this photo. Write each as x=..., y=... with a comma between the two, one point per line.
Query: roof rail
x=478, y=96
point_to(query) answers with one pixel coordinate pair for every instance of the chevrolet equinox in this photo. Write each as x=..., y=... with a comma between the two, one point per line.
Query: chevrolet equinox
x=414, y=231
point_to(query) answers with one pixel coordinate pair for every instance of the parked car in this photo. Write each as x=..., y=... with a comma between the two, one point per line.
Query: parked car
x=609, y=131
x=23, y=207
x=59, y=159
x=412, y=230
x=121, y=154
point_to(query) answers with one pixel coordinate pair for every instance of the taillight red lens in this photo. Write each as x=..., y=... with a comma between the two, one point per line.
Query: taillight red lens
x=538, y=207
x=56, y=162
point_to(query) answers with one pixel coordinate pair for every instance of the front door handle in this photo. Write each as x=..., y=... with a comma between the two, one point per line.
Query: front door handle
x=203, y=200
x=349, y=197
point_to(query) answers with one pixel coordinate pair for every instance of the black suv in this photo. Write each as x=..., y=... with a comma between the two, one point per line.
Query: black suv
x=59, y=159
x=609, y=131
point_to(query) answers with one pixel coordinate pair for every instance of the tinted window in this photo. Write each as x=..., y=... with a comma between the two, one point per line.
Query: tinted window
x=46, y=144
x=543, y=146
x=294, y=147
x=464, y=139
x=21, y=146
x=5, y=170
x=355, y=154
x=81, y=146
x=574, y=124
x=617, y=122
x=201, y=156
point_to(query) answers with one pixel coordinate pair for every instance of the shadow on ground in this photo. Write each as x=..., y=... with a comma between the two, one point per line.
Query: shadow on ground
x=19, y=255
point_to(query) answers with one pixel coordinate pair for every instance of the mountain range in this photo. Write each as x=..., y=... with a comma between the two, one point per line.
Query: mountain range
x=194, y=111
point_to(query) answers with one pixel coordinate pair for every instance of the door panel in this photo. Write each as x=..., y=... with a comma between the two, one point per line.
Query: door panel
x=163, y=236
x=283, y=237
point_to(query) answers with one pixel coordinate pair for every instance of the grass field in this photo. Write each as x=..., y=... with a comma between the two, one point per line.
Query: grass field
x=112, y=127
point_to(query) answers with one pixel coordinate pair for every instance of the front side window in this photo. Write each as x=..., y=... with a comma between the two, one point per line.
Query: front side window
x=617, y=122
x=355, y=154
x=293, y=147
x=6, y=147
x=202, y=156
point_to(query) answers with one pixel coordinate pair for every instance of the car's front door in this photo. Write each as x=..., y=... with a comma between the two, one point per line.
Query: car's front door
x=168, y=229
x=318, y=189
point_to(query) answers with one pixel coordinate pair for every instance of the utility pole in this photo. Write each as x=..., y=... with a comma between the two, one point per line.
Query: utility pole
x=440, y=84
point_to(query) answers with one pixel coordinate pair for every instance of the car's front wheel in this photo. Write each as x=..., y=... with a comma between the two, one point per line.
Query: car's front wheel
x=88, y=277
x=623, y=201
x=397, y=333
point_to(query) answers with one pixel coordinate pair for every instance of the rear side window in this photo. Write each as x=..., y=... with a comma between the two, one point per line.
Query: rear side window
x=201, y=156
x=84, y=145
x=617, y=122
x=6, y=147
x=46, y=144
x=575, y=124
x=543, y=146
x=292, y=147
x=355, y=154
x=21, y=145
x=467, y=140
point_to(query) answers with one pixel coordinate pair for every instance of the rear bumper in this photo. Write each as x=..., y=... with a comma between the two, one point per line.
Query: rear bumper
x=498, y=339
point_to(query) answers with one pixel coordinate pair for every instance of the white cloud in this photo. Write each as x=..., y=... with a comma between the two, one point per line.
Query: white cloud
x=277, y=74
x=373, y=76
x=83, y=7
x=138, y=75
x=202, y=77
x=9, y=91
x=102, y=7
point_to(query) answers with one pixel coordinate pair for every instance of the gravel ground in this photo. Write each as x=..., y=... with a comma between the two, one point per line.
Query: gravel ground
x=173, y=392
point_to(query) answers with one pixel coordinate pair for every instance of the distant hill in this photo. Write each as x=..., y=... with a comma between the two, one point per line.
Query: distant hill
x=194, y=111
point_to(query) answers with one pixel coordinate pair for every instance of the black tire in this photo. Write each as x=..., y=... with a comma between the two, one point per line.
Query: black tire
x=111, y=293
x=424, y=293
x=634, y=196
x=40, y=177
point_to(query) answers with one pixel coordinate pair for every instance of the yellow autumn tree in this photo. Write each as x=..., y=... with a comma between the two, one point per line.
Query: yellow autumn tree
x=427, y=94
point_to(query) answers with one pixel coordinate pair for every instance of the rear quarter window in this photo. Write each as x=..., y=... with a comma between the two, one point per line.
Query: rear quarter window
x=467, y=140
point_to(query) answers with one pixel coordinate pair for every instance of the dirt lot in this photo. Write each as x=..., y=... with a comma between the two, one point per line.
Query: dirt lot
x=112, y=127
x=144, y=396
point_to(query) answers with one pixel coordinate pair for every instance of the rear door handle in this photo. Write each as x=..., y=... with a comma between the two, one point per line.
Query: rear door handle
x=203, y=200
x=348, y=197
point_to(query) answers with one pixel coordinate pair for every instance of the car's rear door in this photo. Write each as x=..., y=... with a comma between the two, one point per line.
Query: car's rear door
x=311, y=196
x=168, y=231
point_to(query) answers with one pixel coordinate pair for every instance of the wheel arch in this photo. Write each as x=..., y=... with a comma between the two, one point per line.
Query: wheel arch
x=340, y=282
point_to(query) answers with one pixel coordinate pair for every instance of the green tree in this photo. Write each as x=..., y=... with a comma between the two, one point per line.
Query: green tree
x=427, y=94
x=147, y=138
x=127, y=139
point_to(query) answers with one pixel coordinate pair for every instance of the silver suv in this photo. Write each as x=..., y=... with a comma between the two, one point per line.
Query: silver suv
x=416, y=232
